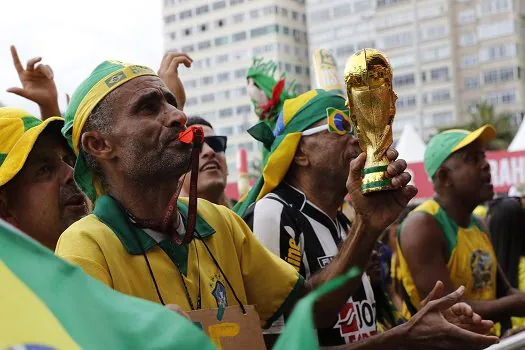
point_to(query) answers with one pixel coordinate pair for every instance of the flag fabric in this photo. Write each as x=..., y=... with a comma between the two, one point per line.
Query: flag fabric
x=299, y=331
x=46, y=303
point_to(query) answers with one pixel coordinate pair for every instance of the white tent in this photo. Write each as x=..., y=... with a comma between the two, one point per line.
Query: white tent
x=410, y=145
x=518, y=143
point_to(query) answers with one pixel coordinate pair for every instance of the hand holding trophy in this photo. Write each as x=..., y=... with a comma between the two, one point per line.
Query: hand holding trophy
x=371, y=100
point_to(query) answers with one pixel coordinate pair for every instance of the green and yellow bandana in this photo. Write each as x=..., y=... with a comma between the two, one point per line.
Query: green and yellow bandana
x=447, y=142
x=19, y=131
x=297, y=115
x=108, y=76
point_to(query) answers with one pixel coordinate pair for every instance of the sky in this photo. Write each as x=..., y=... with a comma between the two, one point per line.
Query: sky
x=73, y=37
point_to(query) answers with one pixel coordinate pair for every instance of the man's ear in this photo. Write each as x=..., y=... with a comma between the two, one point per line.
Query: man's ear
x=442, y=177
x=4, y=210
x=301, y=158
x=96, y=144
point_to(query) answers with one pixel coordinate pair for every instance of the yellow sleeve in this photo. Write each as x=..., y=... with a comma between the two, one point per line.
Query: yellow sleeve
x=78, y=247
x=521, y=274
x=271, y=284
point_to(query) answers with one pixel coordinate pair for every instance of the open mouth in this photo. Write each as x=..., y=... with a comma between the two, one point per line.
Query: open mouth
x=76, y=200
x=210, y=166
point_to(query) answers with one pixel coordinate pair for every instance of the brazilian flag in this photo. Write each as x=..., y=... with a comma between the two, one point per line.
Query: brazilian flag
x=46, y=303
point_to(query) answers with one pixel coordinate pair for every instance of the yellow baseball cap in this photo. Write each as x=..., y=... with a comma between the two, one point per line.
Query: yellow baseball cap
x=19, y=131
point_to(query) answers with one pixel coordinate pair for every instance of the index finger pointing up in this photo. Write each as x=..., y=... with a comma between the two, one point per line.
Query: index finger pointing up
x=16, y=60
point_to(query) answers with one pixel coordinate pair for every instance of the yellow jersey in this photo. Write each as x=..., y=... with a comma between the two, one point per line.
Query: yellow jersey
x=107, y=246
x=471, y=260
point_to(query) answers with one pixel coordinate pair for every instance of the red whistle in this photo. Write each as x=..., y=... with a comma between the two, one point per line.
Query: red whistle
x=191, y=133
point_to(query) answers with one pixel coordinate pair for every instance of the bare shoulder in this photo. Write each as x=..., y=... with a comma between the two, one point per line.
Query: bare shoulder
x=420, y=230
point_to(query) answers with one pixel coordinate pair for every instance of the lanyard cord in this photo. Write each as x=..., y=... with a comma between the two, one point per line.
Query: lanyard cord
x=223, y=274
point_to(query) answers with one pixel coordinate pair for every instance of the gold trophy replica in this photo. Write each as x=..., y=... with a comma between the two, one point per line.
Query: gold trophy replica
x=372, y=104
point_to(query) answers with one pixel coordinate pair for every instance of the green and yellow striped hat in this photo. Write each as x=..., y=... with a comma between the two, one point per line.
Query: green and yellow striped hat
x=298, y=114
x=19, y=131
x=108, y=76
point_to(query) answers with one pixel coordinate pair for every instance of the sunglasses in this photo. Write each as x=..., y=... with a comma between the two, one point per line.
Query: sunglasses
x=337, y=122
x=217, y=143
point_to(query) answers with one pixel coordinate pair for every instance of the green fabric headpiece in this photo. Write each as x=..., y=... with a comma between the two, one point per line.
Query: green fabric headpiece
x=108, y=76
x=297, y=115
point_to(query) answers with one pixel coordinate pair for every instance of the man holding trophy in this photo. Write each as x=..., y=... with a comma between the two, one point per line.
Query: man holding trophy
x=315, y=161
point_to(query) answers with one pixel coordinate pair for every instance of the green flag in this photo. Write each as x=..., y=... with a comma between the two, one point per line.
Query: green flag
x=47, y=304
x=299, y=331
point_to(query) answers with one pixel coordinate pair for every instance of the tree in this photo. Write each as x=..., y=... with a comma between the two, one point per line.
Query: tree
x=483, y=114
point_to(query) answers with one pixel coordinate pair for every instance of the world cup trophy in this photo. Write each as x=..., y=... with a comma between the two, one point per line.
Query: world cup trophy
x=372, y=104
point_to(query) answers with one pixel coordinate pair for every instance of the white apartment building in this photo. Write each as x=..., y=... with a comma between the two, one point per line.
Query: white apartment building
x=222, y=36
x=446, y=54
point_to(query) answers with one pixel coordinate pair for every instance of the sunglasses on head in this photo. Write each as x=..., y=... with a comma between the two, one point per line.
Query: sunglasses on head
x=216, y=143
x=337, y=122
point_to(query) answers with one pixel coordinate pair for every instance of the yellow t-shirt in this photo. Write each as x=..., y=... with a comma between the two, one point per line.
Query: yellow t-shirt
x=108, y=247
x=520, y=321
x=471, y=260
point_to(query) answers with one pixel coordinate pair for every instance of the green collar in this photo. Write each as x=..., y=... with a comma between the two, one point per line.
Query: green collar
x=109, y=212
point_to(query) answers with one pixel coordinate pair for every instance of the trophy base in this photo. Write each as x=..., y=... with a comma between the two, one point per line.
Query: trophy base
x=375, y=179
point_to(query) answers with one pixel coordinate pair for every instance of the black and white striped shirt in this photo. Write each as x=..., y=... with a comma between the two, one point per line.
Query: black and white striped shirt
x=300, y=233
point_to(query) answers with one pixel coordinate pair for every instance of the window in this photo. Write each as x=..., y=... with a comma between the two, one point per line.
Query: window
x=223, y=95
x=254, y=13
x=240, y=73
x=207, y=98
x=286, y=31
x=207, y=80
x=209, y=116
x=491, y=7
x=185, y=14
x=397, y=40
x=268, y=10
x=298, y=70
x=434, y=32
x=256, y=32
x=191, y=101
x=467, y=39
x=241, y=91
x=225, y=131
x=381, y=3
x=430, y=11
x=406, y=101
x=284, y=12
x=362, y=5
x=238, y=36
x=496, y=29
x=222, y=40
x=403, y=61
x=342, y=10
x=497, y=51
x=236, y=2
x=295, y=15
x=190, y=83
x=345, y=50
x=404, y=80
x=443, y=118
x=173, y=35
x=243, y=110
x=222, y=58
x=223, y=77
x=498, y=75
x=436, y=53
x=469, y=60
x=204, y=45
x=202, y=9
x=243, y=127
x=439, y=74
x=320, y=16
x=169, y=19
x=471, y=83
x=288, y=67
x=186, y=32
x=219, y=5
x=440, y=96
x=226, y=112
x=238, y=18
x=467, y=16
x=188, y=48
x=241, y=55
x=501, y=97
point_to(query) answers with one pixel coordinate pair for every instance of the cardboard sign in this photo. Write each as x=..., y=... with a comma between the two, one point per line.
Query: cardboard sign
x=235, y=330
